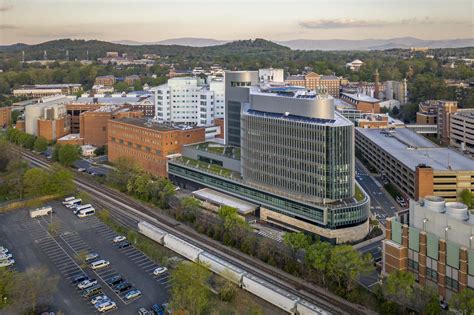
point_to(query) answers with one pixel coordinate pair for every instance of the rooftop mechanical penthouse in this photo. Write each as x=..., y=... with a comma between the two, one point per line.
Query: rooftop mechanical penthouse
x=296, y=161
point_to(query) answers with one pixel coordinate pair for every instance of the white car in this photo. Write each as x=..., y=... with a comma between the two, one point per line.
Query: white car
x=5, y=256
x=107, y=307
x=7, y=263
x=159, y=270
x=119, y=238
x=100, y=299
x=87, y=283
x=3, y=250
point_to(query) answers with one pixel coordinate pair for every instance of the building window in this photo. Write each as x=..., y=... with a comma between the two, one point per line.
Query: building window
x=452, y=282
x=431, y=269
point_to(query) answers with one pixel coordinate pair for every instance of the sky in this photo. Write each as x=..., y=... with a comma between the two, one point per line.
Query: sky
x=35, y=21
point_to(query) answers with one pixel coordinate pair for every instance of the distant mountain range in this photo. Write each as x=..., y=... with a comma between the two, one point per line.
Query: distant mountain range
x=329, y=44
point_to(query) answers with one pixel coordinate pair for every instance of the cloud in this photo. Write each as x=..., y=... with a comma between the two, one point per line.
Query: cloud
x=5, y=7
x=8, y=27
x=353, y=23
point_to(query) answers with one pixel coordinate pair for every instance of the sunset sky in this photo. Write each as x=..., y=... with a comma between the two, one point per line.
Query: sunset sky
x=33, y=21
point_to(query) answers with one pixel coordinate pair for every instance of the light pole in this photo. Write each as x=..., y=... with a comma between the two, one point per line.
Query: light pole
x=424, y=222
x=446, y=229
x=470, y=241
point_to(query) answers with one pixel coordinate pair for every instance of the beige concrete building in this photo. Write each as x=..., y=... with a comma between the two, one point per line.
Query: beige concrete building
x=462, y=130
x=42, y=90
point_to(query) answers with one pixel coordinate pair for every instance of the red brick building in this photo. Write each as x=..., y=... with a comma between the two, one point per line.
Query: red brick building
x=5, y=116
x=148, y=143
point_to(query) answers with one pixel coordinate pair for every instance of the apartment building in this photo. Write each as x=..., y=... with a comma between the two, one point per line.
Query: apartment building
x=462, y=130
x=415, y=165
x=436, y=246
x=362, y=102
x=131, y=79
x=43, y=90
x=190, y=100
x=93, y=123
x=149, y=143
x=313, y=81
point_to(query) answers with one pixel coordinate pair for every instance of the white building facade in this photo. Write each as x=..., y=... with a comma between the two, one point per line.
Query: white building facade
x=271, y=75
x=190, y=100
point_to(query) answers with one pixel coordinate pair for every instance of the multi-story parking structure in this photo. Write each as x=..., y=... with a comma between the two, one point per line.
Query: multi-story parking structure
x=462, y=130
x=415, y=165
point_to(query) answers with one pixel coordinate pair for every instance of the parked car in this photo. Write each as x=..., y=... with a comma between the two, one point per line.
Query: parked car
x=133, y=294
x=7, y=263
x=100, y=299
x=143, y=311
x=119, y=238
x=107, y=307
x=122, y=287
x=160, y=270
x=86, y=284
x=123, y=244
x=99, y=264
x=115, y=280
x=91, y=256
x=79, y=278
x=158, y=309
x=3, y=250
x=5, y=256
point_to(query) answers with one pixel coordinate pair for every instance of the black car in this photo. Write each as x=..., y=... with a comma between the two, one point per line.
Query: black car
x=123, y=244
x=122, y=287
x=115, y=280
x=80, y=278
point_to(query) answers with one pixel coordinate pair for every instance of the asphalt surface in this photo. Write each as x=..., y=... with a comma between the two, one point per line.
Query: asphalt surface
x=91, y=167
x=31, y=244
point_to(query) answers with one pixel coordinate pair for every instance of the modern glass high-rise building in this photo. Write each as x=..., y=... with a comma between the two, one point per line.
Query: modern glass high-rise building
x=294, y=142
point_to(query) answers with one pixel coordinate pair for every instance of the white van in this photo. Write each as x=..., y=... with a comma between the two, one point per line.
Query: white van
x=73, y=203
x=99, y=264
x=86, y=212
x=67, y=199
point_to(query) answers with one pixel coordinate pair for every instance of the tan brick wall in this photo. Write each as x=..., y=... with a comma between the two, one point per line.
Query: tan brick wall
x=424, y=119
x=53, y=129
x=20, y=125
x=368, y=107
x=341, y=235
x=423, y=182
x=5, y=116
x=77, y=141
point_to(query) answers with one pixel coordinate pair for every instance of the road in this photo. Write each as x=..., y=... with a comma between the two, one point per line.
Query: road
x=134, y=210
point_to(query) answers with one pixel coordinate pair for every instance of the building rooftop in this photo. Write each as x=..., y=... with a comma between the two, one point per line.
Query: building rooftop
x=361, y=97
x=71, y=136
x=412, y=149
x=298, y=77
x=221, y=199
x=153, y=125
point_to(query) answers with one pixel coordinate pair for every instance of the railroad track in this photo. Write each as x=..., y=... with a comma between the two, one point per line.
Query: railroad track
x=137, y=210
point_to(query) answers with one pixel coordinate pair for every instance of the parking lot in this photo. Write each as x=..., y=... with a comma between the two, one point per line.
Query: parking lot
x=31, y=243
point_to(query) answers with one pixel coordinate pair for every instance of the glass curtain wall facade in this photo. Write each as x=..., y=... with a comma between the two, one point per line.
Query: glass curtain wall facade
x=312, y=158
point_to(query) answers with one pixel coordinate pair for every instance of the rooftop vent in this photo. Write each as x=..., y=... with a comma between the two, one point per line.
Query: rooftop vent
x=435, y=203
x=457, y=210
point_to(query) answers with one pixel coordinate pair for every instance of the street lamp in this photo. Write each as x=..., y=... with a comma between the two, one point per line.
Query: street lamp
x=470, y=240
x=446, y=229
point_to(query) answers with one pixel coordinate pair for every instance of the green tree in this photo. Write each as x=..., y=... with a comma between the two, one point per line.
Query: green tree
x=101, y=150
x=318, y=257
x=41, y=144
x=296, y=241
x=189, y=292
x=33, y=287
x=14, y=179
x=162, y=189
x=61, y=181
x=37, y=182
x=7, y=284
x=466, y=197
x=190, y=203
x=140, y=186
x=68, y=154
x=346, y=265
x=125, y=169
x=399, y=287
x=463, y=301
x=121, y=87
x=6, y=154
